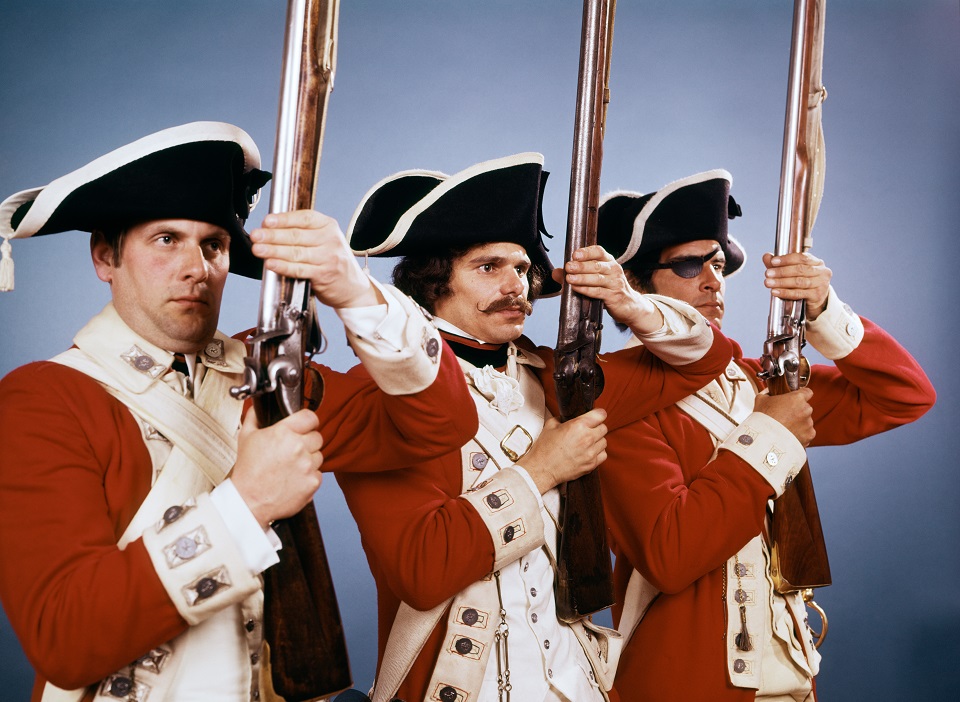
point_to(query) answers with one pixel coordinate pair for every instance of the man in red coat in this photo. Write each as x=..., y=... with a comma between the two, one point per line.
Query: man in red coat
x=462, y=548
x=687, y=490
x=135, y=509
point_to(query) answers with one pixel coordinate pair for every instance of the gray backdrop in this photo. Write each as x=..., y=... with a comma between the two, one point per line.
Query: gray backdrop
x=441, y=85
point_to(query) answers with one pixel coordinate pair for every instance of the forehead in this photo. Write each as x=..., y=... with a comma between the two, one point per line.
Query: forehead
x=497, y=250
x=700, y=247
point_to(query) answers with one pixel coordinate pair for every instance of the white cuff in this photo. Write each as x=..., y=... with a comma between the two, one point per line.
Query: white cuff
x=381, y=325
x=258, y=547
x=198, y=560
x=511, y=513
x=685, y=336
x=837, y=331
x=769, y=448
x=402, y=353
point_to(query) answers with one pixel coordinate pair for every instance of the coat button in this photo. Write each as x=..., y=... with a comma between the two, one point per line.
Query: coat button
x=745, y=439
x=546, y=644
x=740, y=596
x=120, y=686
x=432, y=348
x=172, y=514
x=206, y=588
x=479, y=461
x=494, y=501
x=448, y=694
x=143, y=363
x=508, y=534
x=250, y=625
x=469, y=617
x=185, y=548
x=464, y=646
x=533, y=592
x=534, y=617
x=254, y=658
x=739, y=666
x=772, y=459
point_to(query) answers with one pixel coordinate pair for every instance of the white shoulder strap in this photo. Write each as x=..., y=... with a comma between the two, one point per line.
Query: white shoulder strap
x=408, y=635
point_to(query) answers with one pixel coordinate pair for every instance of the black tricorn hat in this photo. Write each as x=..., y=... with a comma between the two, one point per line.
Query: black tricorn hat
x=203, y=171
x=635, y=228
x=421, y=213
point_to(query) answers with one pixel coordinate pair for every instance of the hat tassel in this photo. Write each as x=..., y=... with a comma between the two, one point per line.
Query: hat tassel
x=6, y=266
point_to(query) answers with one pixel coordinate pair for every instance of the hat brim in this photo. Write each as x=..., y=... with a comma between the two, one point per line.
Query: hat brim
x=421, y=213
x=205, y=171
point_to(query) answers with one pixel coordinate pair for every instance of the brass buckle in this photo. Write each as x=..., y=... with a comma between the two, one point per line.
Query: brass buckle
x=509, y=452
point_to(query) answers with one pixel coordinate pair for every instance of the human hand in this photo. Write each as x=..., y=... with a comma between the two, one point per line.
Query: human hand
x=595, y=273
x=566, y=451
x=792, y=410
x=278, y=467
x=309, y=245
x=799, y=276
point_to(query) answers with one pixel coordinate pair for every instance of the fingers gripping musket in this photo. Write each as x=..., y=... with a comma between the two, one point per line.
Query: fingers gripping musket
x=584, y=576
x=305, y=655
x=798, y=549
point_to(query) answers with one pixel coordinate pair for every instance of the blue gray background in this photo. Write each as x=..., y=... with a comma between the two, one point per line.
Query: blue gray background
x=696, y=85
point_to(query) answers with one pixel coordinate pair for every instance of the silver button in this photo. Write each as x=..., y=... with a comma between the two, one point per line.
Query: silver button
x=533, y=592
x=772, y=459
x=185, y=548
x=534, y=617
x=546, y=643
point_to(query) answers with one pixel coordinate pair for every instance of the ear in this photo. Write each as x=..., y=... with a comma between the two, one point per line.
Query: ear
x=102, y=254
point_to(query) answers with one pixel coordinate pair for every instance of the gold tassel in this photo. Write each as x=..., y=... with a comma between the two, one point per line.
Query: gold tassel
x=6, y=266
x=743, y=638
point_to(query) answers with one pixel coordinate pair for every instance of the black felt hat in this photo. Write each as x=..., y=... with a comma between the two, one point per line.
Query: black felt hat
x=635, y=228
x=421, y=213
x=203, y=171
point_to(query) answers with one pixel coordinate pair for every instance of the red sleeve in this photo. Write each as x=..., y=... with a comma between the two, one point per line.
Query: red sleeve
x=637, y=383
x=877, y=387
x=422, y=541
x=367, y=430
x=672, y=512
x=73, y=471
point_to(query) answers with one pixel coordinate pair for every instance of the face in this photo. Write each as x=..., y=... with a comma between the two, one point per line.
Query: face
x=704, y=291
x=488, y=292
x=168, y=283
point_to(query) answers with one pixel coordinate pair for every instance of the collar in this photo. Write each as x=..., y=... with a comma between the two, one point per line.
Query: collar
x=475, y=352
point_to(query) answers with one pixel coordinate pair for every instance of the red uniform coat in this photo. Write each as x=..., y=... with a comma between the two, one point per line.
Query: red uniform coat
x=75, y=469
x=677, y=517
x=425, y=544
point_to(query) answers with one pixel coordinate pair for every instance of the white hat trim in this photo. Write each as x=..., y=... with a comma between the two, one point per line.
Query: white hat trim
x=49, y=197
x=449, y=182
x=640, y=222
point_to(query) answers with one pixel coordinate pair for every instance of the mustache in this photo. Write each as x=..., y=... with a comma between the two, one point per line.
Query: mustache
x=510, y=302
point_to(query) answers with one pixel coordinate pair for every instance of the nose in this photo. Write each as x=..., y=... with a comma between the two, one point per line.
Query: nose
x=194, y=265
x=513, y=283
x=710, y=279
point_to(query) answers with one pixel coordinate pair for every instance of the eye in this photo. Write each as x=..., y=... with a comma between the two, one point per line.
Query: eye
x=486, y=267
x=165, y=239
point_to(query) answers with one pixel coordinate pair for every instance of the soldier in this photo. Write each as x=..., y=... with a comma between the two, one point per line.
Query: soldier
x=135, y=509
x=686, y=490
x=462, y=547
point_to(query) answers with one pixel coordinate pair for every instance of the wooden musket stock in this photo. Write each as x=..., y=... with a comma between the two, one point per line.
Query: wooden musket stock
x=584, y=574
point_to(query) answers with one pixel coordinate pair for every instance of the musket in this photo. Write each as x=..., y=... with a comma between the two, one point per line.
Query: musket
x=584, y=571
x=304, y=655
x=798, y=551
